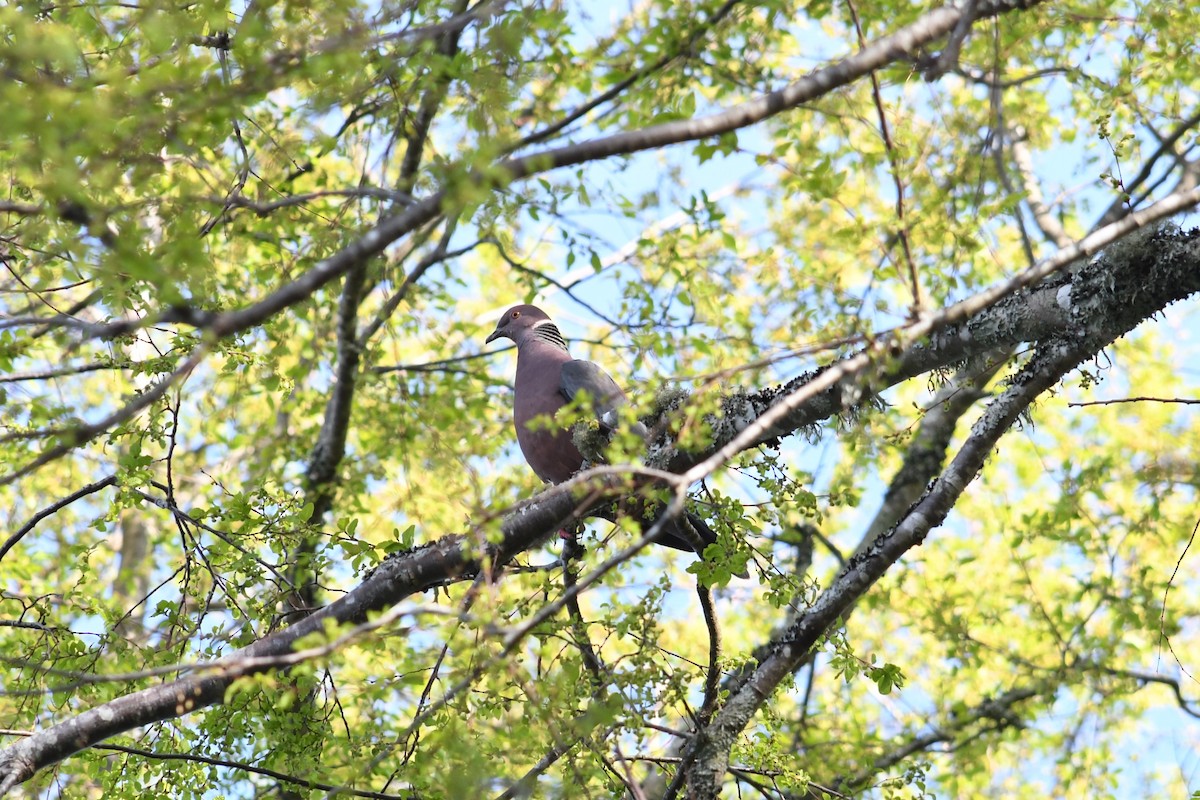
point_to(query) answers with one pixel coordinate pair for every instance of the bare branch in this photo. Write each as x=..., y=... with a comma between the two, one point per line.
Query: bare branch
x=523, y=786
x=436, y=256
x=91, y=488
x=582, y=110
x=1046, y=221
x=440, y=364
x=283, y=777
x=1181, y=400
x=1188, y=707
x=20, y=623
x=60, y=372
x=890, y=148
x=264, y=209
x=997, y=710
x=1165, y=147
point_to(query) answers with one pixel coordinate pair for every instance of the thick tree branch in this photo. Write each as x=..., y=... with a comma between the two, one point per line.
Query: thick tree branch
x=330, y=447
x=926, y=453
x=1026, y=308
x=431, y=101
x=923, y=461
x=714, y=743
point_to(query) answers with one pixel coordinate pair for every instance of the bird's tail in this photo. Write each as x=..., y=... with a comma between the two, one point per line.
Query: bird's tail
x=674, y=535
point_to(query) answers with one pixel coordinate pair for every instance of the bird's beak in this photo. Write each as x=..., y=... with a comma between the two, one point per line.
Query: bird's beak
x=496, y=334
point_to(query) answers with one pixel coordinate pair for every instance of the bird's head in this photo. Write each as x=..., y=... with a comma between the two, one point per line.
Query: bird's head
x=518, y=320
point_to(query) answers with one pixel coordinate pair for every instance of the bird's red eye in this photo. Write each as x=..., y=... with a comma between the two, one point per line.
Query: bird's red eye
x=516, y=314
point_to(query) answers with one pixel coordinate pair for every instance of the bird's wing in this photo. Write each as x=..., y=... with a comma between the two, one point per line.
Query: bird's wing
x=606, y=396
x=580, y=376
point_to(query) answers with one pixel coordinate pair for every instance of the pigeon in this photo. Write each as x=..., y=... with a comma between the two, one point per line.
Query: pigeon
x=548, y=379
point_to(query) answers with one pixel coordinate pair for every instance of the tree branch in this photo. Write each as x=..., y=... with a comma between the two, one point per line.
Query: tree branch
x=76, y=437
x=282, y=777
x=91, y=488
x=582, y=110
x=878, y=54
x=997, y=709
x=1049, y=225
x=1117, y=208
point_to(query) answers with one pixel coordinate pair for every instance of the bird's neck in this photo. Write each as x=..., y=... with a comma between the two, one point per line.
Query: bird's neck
x=548, y=333
x=537, y=357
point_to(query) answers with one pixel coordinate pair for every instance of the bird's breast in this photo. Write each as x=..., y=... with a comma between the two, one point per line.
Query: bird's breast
x=546, y=445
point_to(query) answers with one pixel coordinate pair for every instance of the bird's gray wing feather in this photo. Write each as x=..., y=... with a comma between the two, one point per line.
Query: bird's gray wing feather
x=606, y=396
x=580, y=376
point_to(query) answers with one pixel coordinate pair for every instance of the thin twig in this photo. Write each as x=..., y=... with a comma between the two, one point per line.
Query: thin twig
x=238, y=765
x=894, y=164
x=1162, y=615
x=1178, y=400
x=85, y=433
x=91, y=488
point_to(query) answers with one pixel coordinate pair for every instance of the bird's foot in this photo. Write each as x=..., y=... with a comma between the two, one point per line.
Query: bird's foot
x=571, y=549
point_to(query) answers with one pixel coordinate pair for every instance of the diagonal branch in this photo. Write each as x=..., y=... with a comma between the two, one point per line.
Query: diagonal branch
x=816, y=84
x=997, y=710
x=1049, y=225
x=53, y=509
x=1165, y=147
x=582, y=110
x=77, y=437
x=1028, y=307
x=713, y=744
